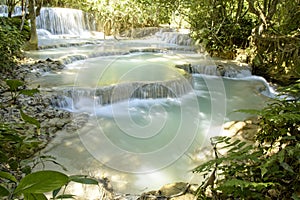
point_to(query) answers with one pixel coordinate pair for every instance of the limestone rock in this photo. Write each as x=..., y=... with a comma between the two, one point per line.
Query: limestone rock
x=246, y=129
x=174, y=191
x=187, y=196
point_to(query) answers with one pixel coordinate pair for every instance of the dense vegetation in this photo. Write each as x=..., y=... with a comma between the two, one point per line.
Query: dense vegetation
x=20, y=143
x=11, y=42
x=266, y=169
x=268, y=31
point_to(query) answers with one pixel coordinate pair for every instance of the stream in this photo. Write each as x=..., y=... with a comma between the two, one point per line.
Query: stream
x=149, y=123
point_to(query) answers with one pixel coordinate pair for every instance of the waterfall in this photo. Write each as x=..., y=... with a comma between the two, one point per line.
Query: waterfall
x=71, y=98
x=60, y=21
x=4, y=11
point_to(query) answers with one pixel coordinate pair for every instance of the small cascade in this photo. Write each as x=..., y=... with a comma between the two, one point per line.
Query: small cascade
x=59, y=21
x=175, y=38
x=74, y=98
x=226, y=70
x=206, y=69
x=262, y=86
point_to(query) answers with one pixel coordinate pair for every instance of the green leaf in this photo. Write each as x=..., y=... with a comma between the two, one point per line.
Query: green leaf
x=8, y=176
x=208, y=165
x=287, y=167
x=33, y=196
x=3, y=191
x=234, y=143
x=13, y=84
x=281, y=156
x=3, y=157
x=42, y=181
x=264, y=170
x=55, y=192
x=29, y=92
x=236, y=183
x=295, y=196
x=83, y=179
x=57, y=163
x=30, y=120
x=66, y=196
x=26, y=169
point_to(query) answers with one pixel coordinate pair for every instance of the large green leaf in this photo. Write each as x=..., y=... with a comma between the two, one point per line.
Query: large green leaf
x=83, y=179
x=42, y=181
x=7, y=176
x=3, y=191
x=30, y=120
x=33, y=196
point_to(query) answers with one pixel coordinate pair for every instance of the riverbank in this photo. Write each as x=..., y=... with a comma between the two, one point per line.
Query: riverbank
x=38, y=106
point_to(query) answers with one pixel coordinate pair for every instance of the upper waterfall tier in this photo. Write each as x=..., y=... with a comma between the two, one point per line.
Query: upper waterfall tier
x=65, y=21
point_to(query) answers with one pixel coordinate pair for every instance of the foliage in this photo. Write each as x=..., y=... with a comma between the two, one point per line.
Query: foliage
x=267, y=29
x=221, y=26
x=268, y=169
x=11, y=42
x=276, y=40
x=120, y=16
x=19, y=142
x=34, y=185
x=291, y=90
x=20, y=145
x=17, y=87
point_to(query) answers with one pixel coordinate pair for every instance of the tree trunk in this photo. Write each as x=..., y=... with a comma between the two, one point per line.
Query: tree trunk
x=33, y=42
x=239, y=10
x=23, y=13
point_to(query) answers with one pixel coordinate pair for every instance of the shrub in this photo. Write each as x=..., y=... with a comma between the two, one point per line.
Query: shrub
x=11, y=42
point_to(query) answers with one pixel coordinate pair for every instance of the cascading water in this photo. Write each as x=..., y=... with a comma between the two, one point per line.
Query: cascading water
x=60, y=21
x=120, y=92
x=147, y=119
